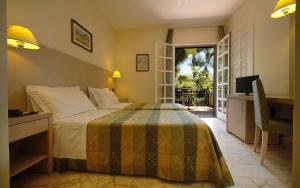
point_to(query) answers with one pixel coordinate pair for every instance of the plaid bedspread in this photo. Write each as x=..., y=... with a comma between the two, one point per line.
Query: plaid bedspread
x=155, y=106
x=170, y=144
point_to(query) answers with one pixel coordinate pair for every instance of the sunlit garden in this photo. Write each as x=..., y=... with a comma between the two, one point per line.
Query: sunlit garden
x=195, y=76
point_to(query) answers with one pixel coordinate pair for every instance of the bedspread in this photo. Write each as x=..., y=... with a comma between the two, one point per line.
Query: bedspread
x=169, y=144
x=154, y=106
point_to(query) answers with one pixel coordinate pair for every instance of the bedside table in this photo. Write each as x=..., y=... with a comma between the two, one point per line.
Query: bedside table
x=125, y=100
x=31, y=143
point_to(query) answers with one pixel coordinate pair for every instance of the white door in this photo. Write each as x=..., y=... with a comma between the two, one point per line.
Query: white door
x=223, y=73
x=164, y=73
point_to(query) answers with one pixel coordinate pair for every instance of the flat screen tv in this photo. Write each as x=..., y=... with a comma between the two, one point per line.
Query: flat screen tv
x=244, y=84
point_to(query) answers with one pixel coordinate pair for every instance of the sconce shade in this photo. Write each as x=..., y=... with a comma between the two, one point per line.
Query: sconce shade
x=116, y=74
x=284, y=7
x=21, y=37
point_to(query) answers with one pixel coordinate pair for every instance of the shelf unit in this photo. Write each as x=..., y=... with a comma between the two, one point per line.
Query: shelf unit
x=31, y=143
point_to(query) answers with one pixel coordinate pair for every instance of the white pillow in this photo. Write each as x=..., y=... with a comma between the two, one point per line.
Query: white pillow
x=92, y=92
x=103, y=98
x=34, y=103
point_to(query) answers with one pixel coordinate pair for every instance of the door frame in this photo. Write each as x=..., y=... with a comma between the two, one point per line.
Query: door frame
x=206, y=45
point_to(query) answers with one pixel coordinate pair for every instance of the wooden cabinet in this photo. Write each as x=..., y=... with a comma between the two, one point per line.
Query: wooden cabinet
x=31, y=143
x=240, y=120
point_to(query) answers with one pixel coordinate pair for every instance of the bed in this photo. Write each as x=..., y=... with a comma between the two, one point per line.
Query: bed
x=106, y=99
x=145, y=106
x=170, y=144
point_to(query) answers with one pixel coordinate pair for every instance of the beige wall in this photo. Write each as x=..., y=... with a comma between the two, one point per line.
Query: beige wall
x=140, y=86
x=292, y=53
x=50, y=23
x=296, y=137
x=4, y=161
x=51, y=68
x=271, y=43
x=137, y=86
x=202, y=35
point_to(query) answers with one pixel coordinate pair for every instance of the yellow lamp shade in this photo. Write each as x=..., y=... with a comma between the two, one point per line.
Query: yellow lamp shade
x=284, y=7
x=116, y=74
x=21, y=37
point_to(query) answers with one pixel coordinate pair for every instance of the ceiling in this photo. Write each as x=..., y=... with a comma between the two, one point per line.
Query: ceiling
x=128, y=14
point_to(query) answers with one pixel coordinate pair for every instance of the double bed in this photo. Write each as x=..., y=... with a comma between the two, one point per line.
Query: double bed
x=158, y=140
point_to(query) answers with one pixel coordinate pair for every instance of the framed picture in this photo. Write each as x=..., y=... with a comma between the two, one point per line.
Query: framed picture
x=81, y=37
x=142, y=62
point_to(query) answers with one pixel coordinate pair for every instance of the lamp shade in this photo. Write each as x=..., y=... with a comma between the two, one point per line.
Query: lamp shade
x=284, y=7
x=21, y=37
x=116, y=74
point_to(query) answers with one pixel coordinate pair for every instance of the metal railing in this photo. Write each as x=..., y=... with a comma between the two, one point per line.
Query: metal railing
x=192, y=97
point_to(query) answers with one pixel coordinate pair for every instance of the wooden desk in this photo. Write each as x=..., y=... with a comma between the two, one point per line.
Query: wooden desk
x=240, y=115
x=270, y=99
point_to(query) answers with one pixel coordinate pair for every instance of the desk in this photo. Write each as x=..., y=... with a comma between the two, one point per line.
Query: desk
x=240, y=115
x=270, y=99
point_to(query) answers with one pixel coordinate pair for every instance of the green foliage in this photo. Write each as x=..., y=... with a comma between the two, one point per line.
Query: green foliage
x=201, y=60
x=185, y=82
x=180, y=57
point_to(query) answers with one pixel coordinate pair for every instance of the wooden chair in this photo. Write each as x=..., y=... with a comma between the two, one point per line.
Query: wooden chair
x=263, y=122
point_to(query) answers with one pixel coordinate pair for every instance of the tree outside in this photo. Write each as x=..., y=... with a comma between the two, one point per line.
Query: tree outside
x=194, y=71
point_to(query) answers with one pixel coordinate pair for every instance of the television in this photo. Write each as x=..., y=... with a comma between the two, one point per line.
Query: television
x=244, y=84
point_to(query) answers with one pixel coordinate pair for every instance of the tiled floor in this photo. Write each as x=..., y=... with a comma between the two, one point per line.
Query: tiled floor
x=242, y=161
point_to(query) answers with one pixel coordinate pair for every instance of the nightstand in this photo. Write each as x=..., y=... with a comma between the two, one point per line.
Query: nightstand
x=125, y=100
x=31, y=143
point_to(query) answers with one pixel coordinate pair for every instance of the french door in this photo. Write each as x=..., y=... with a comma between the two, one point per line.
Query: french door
x=164, y=73
x=223, y=72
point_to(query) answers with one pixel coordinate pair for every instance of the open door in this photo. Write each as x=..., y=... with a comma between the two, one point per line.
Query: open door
x=223, y=72
x=164, y=73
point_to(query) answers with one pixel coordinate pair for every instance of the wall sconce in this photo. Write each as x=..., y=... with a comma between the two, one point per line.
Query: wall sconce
x=116, y=75
x=284, y=7
x=21, y=37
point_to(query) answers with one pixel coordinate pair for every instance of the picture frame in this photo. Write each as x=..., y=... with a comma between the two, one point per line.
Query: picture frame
x=81, y=36
x=142, y=62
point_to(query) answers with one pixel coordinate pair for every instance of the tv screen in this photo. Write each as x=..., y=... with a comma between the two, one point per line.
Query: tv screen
x=244, y=84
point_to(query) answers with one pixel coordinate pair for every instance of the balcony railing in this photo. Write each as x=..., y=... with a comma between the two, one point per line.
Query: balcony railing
x=192, y=97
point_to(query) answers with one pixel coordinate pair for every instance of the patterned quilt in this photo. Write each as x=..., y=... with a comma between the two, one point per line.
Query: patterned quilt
x=155, y=106
x=169, y=144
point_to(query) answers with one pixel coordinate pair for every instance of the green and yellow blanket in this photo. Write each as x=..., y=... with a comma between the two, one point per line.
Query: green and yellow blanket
x=169, y=144
x=155, y=106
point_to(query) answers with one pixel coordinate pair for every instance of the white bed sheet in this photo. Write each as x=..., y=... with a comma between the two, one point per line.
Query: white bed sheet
x=70, y=134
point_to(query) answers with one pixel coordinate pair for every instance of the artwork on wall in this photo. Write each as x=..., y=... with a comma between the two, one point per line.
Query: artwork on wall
x=142, y=62
x=81, y=36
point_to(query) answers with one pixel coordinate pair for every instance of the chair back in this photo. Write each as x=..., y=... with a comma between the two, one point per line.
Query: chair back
x=260, y=105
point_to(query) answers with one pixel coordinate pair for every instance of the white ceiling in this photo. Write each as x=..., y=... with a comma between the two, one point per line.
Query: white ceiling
x=127, y=14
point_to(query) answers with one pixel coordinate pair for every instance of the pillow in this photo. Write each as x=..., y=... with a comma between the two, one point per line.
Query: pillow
x=103, y=98
x=34, y=103
x=92, y=92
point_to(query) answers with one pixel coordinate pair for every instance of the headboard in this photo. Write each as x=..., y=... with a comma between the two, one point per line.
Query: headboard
x=49, y=67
